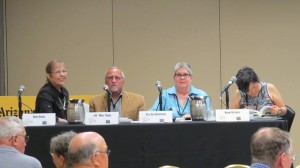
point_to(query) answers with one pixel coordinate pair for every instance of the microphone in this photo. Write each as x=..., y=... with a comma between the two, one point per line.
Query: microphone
x=158, y=85
x=106, y=88
x=232, y=80
x=21, y=90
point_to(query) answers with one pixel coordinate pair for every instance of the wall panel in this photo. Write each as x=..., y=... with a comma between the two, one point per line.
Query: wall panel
x=152, y=36
x=75, y=31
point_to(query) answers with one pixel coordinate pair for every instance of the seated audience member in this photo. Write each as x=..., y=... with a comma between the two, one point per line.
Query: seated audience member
x=59, y=149
x=126, y=103
x=13, y=140
x=271, y=148
x=88, y=149
x=53, y=97
x=253, y=94
x=177, y=98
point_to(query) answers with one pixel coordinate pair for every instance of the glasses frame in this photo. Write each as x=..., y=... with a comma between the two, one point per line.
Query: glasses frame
x=185, y=76
x=106, y=152
x=293, y=158
x=117, y=78
x=26, y=137
x=60, y=72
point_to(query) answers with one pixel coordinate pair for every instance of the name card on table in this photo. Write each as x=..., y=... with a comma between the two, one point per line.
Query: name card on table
x=101, y=118
x=232, y=115
x=39, y=119
x=155, y=116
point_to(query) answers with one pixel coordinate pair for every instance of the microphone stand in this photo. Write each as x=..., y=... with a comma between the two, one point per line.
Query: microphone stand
x=108, y=101
x=160, y=100
x=227, y=99
x=20, y=106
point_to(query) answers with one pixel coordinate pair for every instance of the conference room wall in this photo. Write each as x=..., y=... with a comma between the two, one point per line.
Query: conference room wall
x=146, y=38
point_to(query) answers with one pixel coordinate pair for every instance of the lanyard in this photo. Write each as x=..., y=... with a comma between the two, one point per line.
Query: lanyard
x=114, y=104
x=186, y=103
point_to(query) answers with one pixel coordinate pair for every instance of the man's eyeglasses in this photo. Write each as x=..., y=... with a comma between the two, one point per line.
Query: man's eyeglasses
x=293, y=157
x=26, y=137
x=107, y=152
x=182, y=75
x=117, y=78
x=60, y=71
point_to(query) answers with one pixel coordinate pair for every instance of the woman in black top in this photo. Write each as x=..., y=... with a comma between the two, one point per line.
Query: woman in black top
x=53, y=97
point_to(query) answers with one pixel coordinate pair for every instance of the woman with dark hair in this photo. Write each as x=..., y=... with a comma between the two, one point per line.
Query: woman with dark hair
x=53, y=97
x=253, y=94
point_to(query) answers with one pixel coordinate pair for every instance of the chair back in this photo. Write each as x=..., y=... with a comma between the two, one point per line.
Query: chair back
x=289, y=116
x=237, y=166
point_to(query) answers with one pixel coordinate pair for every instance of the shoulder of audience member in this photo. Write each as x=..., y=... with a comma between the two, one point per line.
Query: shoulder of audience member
x=32, y=161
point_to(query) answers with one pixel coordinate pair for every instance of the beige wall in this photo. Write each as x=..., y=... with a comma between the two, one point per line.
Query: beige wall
x=146, y=38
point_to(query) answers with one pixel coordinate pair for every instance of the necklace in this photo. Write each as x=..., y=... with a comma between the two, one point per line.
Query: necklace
x=63, y=104
x=255, y=99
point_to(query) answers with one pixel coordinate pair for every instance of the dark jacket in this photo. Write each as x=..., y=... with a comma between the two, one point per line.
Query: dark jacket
x=50, y=100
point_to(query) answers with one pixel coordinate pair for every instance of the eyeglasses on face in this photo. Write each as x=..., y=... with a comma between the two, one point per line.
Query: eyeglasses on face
x=182, y=75
x=293, y=157
x=26, y=137
x=60, y=71
x=107, y=152
x=57, y=153
x=117, y=78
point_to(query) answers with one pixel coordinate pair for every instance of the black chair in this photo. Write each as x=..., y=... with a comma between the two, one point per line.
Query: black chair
x=289, y=116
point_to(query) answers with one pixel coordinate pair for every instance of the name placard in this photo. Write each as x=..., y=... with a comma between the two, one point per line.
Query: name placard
x=232, y=115
x=39, y=119
x=155, y=117
x=101, y=118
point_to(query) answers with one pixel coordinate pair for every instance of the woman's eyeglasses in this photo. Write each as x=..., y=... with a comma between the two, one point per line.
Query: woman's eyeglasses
x=182, y=75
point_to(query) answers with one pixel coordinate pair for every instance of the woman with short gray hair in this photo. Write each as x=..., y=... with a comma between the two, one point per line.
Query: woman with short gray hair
x=177, y=98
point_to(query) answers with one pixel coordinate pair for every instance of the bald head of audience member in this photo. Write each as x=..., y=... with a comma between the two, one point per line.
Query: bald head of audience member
x=88, y=149
x=272, y=147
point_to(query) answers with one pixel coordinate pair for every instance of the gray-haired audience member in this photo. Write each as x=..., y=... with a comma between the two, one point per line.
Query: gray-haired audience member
x=271, y=148
x=88, y=149
x=13, y=140
x=59, y=149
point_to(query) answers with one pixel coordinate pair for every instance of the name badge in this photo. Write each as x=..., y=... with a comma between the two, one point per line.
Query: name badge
x=39, y=119
x=155, y=117
x=232, y=115
x=101, y=118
